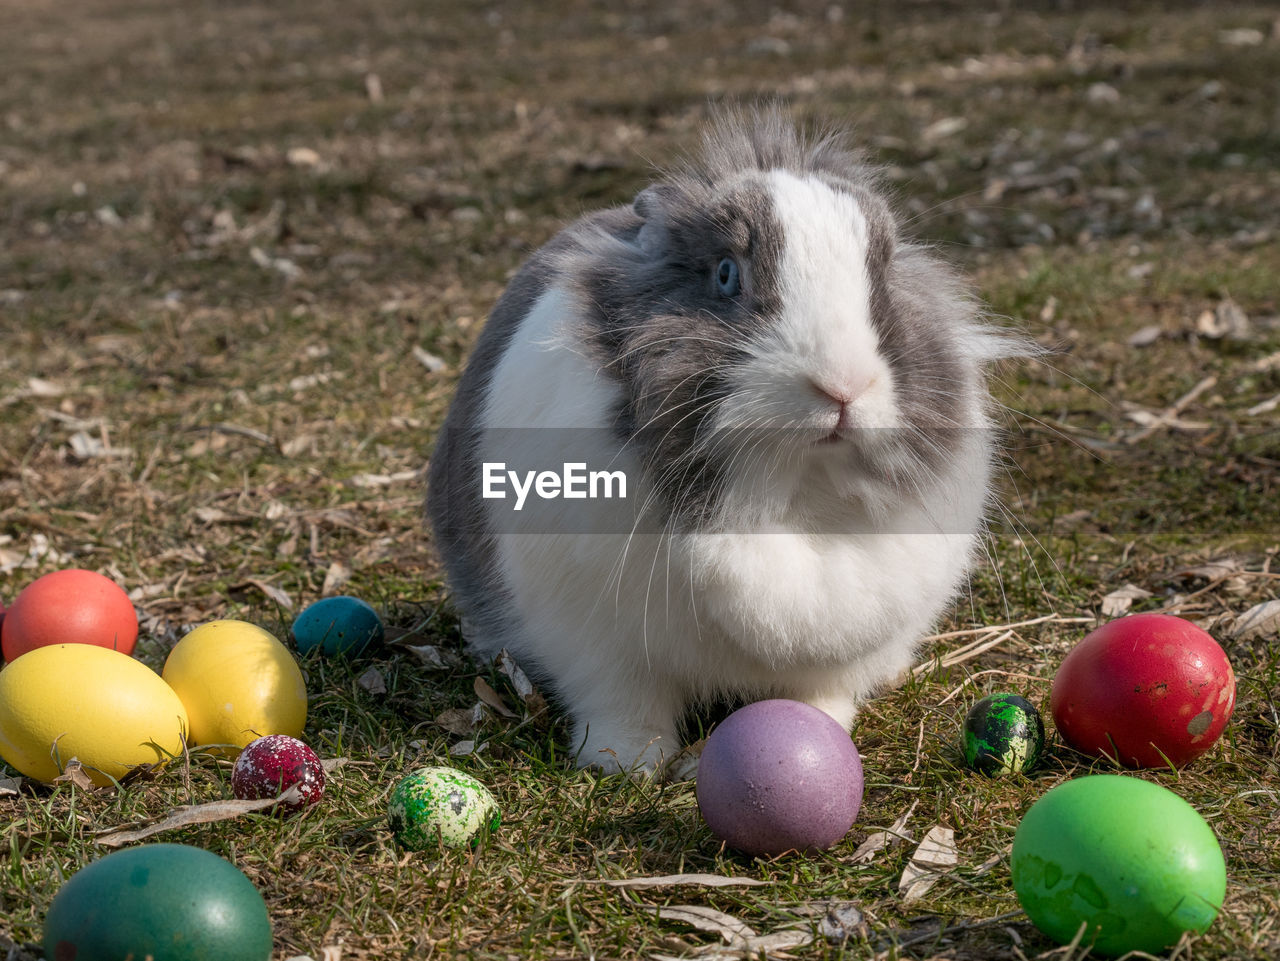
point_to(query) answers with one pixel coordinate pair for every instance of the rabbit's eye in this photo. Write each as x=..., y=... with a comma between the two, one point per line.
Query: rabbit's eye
x=728, y=277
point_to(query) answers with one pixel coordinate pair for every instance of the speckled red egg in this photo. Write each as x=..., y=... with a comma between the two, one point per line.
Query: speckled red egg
x=269, y=765
x=1147, y=689
x=779, y=776
x=69, y=607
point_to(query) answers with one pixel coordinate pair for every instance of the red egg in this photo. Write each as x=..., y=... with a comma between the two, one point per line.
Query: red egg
x=269, y=765
x=69, y=607
x=1148, y=689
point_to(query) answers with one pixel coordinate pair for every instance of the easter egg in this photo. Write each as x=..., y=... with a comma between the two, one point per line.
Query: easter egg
x=439, y=805
x=1129, y=859
x=238, y=682
x=269, y=765
x=69, y=607
x=1148, y=690
x=78, y=700
x=163, y=902
x=778, y=776
x=337, y=625
x=1003, y=734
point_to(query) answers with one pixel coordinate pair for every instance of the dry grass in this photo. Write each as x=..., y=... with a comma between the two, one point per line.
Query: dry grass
x=221, y=239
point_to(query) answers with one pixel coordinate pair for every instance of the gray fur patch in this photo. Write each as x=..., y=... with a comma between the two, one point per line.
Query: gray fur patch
x=454, y=505
x=660, y=326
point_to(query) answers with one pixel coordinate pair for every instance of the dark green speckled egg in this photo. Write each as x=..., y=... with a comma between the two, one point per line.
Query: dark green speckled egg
x=1003, y=734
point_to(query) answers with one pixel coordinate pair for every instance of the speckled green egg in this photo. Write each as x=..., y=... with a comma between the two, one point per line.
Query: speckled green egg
x=1003, y=734
x=439, y=805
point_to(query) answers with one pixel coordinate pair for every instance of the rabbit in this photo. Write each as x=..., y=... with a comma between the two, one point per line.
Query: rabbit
x=797, y=397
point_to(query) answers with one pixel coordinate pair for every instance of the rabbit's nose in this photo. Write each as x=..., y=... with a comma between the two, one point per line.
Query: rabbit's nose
x=842, y=393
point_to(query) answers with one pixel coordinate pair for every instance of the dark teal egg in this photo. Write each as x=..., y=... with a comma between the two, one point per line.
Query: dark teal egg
x=1003, y=734
x=165, y=902
x=337, y=625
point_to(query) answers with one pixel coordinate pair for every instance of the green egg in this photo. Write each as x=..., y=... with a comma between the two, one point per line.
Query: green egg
x=1003, y=734
x=438, y=805
x=164, y=902
x=1128, y=859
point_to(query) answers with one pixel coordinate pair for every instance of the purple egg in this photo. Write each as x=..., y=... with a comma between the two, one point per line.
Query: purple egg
x=779, y=776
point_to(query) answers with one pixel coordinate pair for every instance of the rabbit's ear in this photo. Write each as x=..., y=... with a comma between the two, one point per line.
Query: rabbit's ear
x=651, y=201
x=651, y=206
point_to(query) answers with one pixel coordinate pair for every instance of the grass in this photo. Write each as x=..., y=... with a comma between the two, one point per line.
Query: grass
x=146, y=154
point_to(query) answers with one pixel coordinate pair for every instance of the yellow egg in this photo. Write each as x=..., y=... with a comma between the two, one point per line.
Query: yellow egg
x=88, y=702
x=238, y=683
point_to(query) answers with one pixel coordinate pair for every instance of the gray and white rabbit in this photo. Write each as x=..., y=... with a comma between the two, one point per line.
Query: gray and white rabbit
x=797, y=396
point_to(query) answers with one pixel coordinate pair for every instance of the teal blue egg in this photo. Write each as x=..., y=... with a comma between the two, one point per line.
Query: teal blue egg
x=337, y=625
